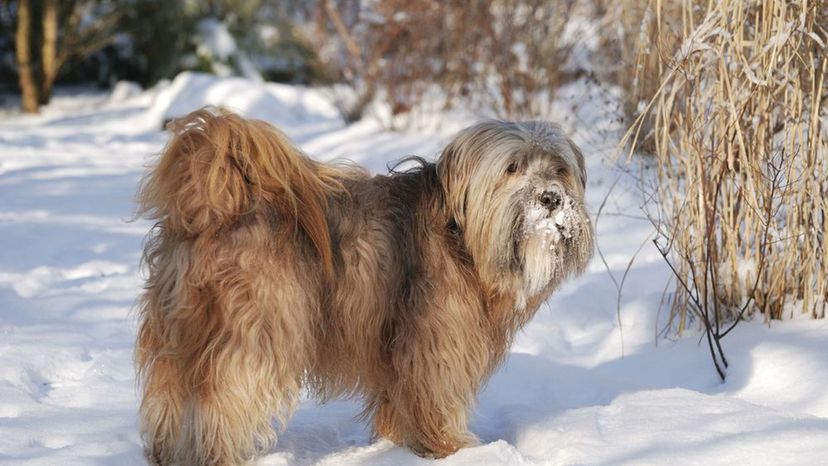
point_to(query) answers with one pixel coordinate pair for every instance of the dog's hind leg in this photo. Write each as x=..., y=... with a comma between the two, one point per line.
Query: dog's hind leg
x=163, y=398
x=241, y=245
x=238, y=327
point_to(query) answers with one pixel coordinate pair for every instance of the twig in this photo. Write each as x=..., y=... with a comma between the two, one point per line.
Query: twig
x=699, y=309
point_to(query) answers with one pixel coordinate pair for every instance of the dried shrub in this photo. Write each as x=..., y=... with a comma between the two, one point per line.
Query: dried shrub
x=738, y=126
x=507, y=54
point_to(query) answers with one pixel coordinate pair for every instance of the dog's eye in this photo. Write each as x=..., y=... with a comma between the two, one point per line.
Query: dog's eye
x=512, y=168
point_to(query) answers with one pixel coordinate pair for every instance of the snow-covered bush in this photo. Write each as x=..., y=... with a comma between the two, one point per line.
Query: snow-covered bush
x=257, y=39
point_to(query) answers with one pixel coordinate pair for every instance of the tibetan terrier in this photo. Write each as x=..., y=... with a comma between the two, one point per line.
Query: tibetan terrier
x=270, y=272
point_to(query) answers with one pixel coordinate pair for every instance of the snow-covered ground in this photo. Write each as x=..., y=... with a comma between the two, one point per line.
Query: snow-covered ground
x=69, y=277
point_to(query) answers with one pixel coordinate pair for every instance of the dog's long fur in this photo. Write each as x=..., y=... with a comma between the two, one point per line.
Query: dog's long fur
x=269, y=272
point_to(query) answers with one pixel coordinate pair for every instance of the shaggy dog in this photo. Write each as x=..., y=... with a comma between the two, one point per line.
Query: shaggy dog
x=269, y=272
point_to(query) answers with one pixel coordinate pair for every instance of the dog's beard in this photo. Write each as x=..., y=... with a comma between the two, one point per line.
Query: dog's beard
x=552, y=244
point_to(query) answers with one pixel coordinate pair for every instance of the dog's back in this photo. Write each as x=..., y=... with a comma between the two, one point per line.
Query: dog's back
x=380, y=228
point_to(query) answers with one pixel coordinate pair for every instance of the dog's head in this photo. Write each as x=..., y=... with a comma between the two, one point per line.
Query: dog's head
x=516, y=192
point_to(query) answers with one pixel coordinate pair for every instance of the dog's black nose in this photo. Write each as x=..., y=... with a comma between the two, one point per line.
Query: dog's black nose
x=552, y=200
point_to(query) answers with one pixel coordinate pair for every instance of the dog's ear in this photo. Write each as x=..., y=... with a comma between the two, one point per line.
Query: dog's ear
x=579, y=158
x=453, y=176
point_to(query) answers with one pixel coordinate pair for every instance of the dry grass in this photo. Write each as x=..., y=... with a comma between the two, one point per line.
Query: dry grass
x=733, y=107
x=639, y=40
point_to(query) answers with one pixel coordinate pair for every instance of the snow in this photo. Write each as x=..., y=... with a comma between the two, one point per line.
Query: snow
x=557, y=226
x=69, y=277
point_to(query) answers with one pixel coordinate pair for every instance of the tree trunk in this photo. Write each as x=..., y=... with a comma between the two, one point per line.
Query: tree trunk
x=350, y=44
x=28, y=89
x=49, y=51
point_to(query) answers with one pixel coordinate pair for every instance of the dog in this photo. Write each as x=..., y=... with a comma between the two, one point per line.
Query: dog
x=269, y=273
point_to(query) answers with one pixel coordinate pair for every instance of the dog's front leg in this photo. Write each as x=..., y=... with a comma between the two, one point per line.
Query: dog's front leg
x=438, y=375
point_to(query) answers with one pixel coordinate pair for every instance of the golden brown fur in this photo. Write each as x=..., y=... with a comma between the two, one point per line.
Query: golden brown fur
x=269, y=272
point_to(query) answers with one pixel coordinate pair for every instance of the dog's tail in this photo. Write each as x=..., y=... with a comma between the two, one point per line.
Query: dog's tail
x=219, y=166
